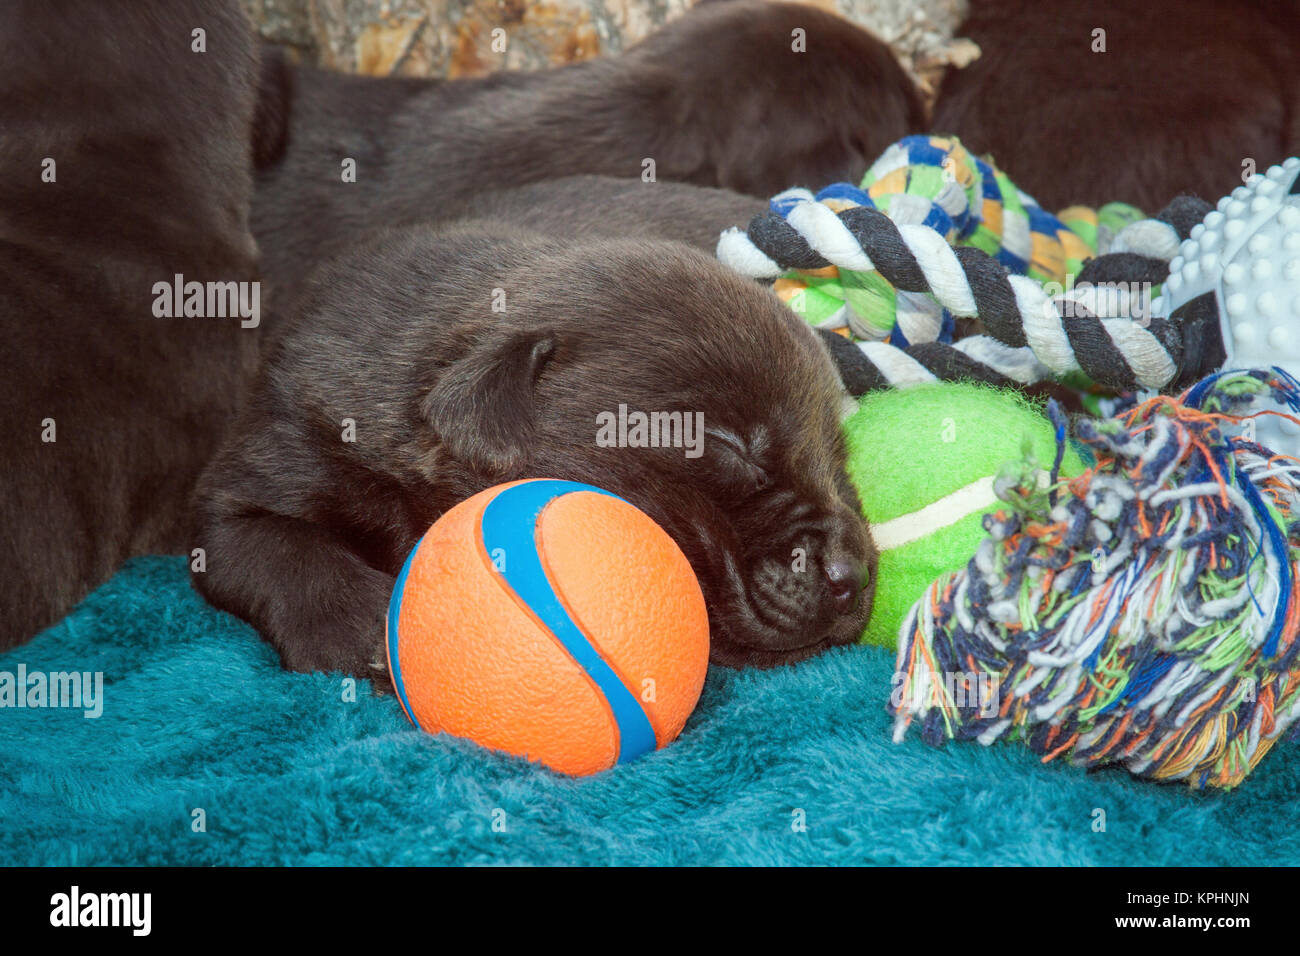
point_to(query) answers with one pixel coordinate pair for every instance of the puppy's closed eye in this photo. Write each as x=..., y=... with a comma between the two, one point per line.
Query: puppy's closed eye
x=740, y=462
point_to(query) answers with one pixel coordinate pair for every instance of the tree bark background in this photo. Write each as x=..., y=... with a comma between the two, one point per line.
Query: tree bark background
x=452, y=38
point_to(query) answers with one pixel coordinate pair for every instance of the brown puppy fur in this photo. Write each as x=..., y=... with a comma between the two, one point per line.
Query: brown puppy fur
x=1185, y=92
x=716, y=98
x=145, y=186
x=154, y=145
x=305, y=531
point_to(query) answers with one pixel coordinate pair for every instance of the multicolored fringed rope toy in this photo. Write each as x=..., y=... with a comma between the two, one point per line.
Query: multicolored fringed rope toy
x=1144, y=614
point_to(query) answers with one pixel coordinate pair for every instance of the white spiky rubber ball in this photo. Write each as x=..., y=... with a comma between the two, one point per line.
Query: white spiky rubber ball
x=1247, y=252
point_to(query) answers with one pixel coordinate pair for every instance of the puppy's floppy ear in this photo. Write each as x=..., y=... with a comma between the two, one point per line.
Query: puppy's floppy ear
x=481, y=408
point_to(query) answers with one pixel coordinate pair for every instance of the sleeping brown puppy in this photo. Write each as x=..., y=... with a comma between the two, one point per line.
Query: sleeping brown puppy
x=305, y=530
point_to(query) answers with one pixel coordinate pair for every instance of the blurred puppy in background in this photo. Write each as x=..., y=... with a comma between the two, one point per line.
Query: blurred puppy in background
x=124, y=162
x=1136, y=102
x=722, y=97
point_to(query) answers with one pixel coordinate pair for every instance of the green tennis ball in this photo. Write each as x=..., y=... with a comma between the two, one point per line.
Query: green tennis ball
x=923, y=460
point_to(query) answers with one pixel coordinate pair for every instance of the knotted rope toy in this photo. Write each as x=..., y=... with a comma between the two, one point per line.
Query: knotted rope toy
x=1144, y=614
x=932, y=182
x=932, y=189
x=1103, y=330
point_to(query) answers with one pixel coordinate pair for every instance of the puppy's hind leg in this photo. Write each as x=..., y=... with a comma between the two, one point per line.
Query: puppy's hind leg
x=309, y=594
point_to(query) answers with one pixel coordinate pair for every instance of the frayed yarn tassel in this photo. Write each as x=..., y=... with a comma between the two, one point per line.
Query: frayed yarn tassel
x=1144, y=614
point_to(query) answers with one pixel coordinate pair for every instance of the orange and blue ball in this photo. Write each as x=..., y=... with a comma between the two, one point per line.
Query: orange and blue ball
x=552, y=620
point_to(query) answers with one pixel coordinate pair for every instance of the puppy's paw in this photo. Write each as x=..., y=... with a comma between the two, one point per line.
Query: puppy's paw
x=343, y=633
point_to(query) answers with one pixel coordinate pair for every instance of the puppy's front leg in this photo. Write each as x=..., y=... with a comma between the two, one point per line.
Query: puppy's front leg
x=314, y=599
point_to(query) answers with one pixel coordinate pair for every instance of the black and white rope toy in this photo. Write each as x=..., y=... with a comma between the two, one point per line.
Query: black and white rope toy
x=1105, y=328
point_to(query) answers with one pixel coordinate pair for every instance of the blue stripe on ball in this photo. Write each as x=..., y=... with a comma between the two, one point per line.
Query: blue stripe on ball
x=510, y=523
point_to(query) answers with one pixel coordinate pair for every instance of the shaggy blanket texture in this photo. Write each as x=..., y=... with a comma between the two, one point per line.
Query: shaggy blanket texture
x=790, y=766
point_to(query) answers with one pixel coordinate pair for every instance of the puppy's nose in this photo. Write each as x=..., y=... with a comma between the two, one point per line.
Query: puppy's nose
x=846, y=580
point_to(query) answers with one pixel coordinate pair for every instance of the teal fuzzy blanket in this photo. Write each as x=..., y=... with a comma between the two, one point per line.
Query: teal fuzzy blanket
x=207, y=753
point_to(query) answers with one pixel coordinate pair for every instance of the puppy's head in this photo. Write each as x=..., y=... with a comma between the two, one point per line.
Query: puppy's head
x=651, y=371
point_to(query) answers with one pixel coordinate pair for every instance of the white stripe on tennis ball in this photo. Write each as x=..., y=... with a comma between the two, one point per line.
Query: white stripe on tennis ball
x=948, y=510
